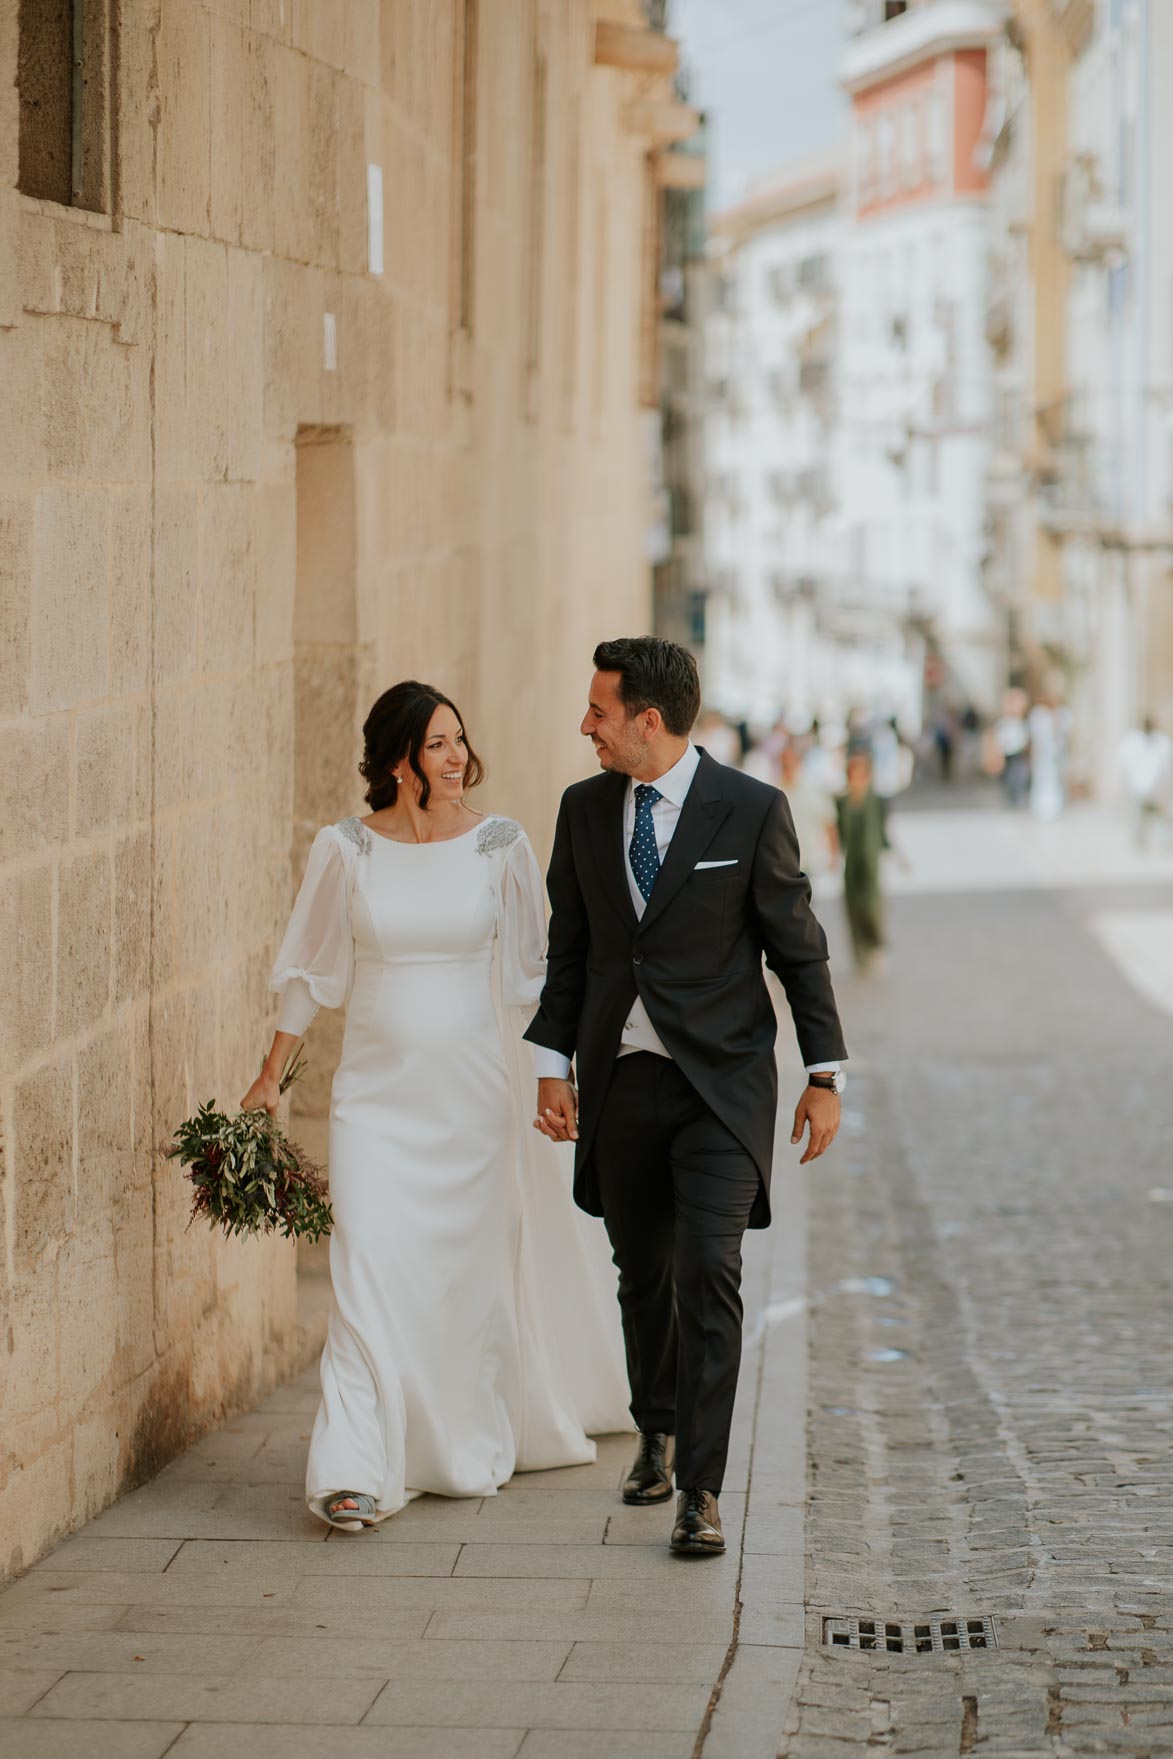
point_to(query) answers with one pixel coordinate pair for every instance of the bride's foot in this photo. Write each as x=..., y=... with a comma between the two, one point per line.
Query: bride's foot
x=351, y=1511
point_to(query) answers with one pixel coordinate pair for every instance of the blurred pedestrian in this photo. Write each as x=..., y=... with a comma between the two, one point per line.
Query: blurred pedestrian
x=863, y=838
x=944, y=742
x=812, y=807
x=1145, y=762
x=892, y=759
x=1012, y=738
x=1049, y=723
x=823, y=763
x=970, y=732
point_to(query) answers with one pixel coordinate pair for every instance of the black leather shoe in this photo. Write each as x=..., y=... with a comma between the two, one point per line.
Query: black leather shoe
x=697, y=1532
x=650, y=1478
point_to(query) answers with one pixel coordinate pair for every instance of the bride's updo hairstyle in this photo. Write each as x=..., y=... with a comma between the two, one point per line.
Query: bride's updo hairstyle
x=394, y=733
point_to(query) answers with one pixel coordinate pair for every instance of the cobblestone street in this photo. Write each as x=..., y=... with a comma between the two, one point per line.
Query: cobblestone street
x=977, y=1330
x=992, y=1413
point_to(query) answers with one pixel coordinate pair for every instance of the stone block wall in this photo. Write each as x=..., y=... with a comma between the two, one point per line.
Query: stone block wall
x=182, y=684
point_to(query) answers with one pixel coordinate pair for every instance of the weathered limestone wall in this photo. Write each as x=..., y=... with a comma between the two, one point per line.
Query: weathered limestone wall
x=215, y=546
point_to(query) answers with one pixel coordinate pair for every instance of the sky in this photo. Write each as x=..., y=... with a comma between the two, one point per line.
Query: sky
x=765, y=71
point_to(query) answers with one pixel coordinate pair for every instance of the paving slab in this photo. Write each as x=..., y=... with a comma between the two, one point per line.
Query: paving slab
x=126, y=1651
x=655, y=1663
x=509, y=1704
x=296, y=1741
x=45, y=1593
x=542, y=1743
x=79, y=1739
x=346, y=1555
x=485, y=1530
x=652, y=1562
x=668, y=1627
x=470, y=1659
x=45, y=1614
x=439, y=1593
x=749, y=1718
x=21, y=1687
x=180, y=1698
x=273, y=1620
x=84, y=1552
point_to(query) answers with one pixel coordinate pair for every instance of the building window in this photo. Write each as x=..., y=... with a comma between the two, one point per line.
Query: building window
x=65, y=61
x=814, y=273
x=938, y=123
x=910, y=147
x=887, y=156
x=814, y=377
x=780, y=283
x=866, y=170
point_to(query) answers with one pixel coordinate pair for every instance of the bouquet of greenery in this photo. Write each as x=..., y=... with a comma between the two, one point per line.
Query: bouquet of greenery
x=248, y=1177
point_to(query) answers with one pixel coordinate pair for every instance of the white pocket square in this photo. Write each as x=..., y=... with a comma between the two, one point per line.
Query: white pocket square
x=701, y=864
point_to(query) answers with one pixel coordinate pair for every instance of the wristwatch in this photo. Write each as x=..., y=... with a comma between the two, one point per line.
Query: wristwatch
x=832, y=1083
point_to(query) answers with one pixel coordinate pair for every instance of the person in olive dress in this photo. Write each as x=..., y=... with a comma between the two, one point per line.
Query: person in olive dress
x=863, y=838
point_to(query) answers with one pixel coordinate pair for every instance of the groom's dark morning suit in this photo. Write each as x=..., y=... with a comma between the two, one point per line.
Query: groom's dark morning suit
x=675, y=1151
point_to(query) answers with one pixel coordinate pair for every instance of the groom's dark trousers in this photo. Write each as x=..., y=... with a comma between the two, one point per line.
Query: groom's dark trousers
x=675, y=1151
x=677, y=1189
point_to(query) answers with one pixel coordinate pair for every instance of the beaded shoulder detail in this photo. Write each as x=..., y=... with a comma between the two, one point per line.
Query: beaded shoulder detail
x=357, y=833
x=497, y=833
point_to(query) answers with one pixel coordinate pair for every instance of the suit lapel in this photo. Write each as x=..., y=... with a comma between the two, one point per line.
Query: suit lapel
x=606, y=809
x=704, y=811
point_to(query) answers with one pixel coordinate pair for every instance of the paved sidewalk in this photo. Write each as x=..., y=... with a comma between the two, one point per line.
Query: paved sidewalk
x=208, y=1615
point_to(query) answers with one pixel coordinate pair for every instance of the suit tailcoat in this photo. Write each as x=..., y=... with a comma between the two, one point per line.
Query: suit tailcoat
x=730, y=893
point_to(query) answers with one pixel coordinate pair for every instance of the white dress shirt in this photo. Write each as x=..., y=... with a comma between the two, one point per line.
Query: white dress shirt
x=638, y=1033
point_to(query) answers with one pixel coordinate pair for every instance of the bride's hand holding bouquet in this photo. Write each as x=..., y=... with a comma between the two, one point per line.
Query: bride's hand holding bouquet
x=247, y=1176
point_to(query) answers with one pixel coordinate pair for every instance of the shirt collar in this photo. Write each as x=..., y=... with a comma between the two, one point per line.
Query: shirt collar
x=674, y=784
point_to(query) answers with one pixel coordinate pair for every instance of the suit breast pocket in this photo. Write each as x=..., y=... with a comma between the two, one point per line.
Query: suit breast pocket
x=713, y=891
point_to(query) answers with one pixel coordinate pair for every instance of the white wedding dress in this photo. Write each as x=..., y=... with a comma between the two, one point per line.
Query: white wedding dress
x=475, y=1330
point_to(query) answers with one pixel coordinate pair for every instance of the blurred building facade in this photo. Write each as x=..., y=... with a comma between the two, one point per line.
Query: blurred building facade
x=789, y=630
x=853, y=385
x=324, y=338
x=678, y=548
x=1082, y=494
x=916, y=369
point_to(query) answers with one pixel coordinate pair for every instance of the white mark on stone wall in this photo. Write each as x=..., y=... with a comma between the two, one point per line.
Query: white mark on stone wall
x=375, y=219
x=329, y=342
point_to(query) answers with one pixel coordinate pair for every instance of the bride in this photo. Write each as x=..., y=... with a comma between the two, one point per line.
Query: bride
x=474, y=1330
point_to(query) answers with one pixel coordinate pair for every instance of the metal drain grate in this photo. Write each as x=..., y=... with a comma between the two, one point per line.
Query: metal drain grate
x=907, y=1637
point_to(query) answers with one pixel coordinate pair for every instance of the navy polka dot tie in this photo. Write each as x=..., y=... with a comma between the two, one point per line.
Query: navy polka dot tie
x=645, y=857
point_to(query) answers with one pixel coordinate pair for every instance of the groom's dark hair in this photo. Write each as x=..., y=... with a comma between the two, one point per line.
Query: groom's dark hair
x=654, y=674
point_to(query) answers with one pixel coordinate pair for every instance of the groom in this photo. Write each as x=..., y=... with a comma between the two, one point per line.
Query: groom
x=671, y=876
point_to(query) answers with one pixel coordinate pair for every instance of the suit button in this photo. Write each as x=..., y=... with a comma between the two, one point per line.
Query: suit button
x=637, y=958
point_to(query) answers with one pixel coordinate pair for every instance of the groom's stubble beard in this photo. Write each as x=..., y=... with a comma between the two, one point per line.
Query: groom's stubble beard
x=624, y=758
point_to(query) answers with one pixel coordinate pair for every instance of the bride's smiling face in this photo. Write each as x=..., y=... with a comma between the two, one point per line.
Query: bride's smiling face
x=443, y=758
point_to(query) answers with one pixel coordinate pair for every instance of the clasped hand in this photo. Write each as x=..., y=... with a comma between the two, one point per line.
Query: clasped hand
x=818, y=1110
x=557, y=1111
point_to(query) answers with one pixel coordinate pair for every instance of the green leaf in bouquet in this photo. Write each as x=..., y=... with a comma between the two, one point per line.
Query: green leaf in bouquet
x=247, y=1177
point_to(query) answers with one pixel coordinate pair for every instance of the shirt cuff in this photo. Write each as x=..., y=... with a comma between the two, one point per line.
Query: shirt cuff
x=824, y=1068
x=550, y=1065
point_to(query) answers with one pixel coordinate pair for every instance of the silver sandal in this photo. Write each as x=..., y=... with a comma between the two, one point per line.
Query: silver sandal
x=350, y=1520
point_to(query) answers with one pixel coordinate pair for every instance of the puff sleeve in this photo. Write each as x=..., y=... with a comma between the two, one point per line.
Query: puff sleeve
x=521, y=925
x=315, y=962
